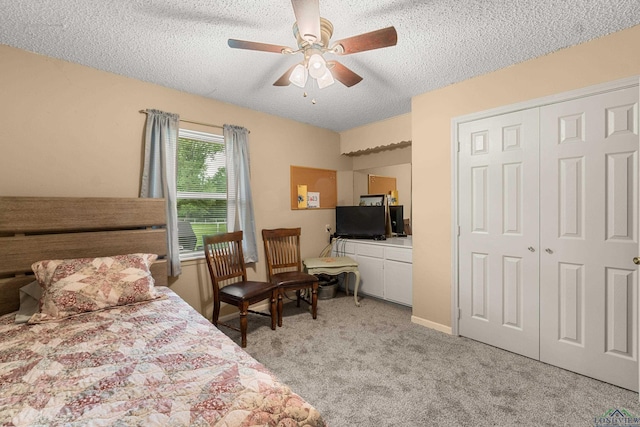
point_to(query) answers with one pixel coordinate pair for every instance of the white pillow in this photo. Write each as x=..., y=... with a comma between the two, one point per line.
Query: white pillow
x=29, y=301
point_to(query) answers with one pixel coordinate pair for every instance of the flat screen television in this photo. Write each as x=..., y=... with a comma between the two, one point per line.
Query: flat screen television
x=396, y=213
x=360, y=222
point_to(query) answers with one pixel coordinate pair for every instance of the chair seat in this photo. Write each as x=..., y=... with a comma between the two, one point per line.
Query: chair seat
x=292, y=278
x=247, y=290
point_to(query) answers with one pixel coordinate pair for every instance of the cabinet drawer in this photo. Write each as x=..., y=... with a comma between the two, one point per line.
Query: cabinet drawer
x=374, y=251
x=341, y=247
x=397, y=254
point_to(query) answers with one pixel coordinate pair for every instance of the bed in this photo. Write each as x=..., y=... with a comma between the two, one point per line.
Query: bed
x=150, y=360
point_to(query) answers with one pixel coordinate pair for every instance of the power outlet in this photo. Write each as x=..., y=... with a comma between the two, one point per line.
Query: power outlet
x=327, y=227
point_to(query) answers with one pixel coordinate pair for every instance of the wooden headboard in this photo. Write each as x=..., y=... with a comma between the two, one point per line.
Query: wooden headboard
x=39, y=228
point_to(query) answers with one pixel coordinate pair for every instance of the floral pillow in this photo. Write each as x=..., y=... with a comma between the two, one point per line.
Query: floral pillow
x=74, y=286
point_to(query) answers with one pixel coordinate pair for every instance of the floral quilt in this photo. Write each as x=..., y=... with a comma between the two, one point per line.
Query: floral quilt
x=158, y=363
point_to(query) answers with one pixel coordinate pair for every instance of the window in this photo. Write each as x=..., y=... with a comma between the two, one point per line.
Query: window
x=201, y=189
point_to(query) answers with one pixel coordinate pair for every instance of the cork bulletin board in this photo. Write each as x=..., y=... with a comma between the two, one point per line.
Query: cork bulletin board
x=381, y=184
x=312, y=180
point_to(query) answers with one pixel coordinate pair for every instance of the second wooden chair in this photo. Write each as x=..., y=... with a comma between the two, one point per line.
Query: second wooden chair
x=284, y=267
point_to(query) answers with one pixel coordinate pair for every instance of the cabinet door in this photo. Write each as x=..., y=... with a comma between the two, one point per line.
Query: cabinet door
x=371, y=276
x=398, y=282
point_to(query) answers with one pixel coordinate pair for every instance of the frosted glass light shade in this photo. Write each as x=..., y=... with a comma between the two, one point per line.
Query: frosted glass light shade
x=317, y=66
x=299, y=76
x=325, y=80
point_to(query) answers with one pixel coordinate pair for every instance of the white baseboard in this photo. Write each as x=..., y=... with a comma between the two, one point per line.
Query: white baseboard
x=431, y=325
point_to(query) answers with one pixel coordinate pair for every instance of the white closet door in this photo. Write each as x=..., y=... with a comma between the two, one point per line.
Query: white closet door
x=589, y=236
x=498, y=254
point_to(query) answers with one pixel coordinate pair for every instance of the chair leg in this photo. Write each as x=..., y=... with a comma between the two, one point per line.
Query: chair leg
x=280, y=307
x=314, y=300
x=298, y=297
x=273, y=310
x=216, y=312
x=244, y=309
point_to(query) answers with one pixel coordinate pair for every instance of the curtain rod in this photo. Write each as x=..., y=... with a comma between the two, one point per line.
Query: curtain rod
x=194, y=122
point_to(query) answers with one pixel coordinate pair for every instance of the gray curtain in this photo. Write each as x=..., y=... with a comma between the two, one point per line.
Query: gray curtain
x=159, y=174
x=239, y=200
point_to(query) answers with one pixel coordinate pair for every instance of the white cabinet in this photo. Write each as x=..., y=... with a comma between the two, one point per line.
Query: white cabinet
x=371, y=275
x=398, y=275
x=385, y=266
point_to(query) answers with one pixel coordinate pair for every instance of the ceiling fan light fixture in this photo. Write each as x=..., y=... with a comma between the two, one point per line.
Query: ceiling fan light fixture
x=299, y=76
x=317, y=66
x=313, y=36
x=325, y=80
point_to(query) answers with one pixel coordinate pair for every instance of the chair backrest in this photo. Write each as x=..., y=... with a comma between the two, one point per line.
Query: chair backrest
x=282, y=250
x=224, y=257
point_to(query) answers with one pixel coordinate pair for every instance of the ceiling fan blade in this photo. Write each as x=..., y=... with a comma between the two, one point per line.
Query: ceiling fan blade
x=343, y=74
x=308, y=19
x=263, y=47
x=368, y=41
x=284, y=79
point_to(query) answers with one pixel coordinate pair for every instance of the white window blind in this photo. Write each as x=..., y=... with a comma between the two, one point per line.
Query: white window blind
x=201, y=189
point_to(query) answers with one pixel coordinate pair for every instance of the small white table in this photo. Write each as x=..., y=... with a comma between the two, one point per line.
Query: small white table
x=334, y=266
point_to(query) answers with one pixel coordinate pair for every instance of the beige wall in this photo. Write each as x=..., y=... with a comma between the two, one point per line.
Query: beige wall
x=380, y=158
x=387, y=132
x=602, y=60
x=70, y=130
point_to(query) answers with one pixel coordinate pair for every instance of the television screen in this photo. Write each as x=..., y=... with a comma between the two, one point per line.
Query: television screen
x=396, y=213
x=360, y=222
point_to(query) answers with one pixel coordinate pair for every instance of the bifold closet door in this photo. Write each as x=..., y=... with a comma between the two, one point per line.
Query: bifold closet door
x=498, y=234
x=589, y=236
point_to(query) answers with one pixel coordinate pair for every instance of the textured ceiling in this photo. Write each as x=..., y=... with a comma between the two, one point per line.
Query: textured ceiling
x=182, y=44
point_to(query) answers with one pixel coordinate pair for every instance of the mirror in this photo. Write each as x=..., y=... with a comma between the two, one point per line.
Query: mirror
x=402, y=173
x=392, y=162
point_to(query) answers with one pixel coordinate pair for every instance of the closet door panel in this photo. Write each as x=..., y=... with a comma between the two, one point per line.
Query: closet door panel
x=589, y=236
x=498, y=205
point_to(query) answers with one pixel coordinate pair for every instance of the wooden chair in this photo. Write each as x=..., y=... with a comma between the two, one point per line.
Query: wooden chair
x=226, y=264
x=284, y=267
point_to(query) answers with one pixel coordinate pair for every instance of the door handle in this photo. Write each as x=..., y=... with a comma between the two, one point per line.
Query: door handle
x=636, y=260
x=532, y=249
x=549, y=251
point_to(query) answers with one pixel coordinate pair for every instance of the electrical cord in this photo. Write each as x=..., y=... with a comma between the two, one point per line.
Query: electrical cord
x=326, y=251
x=340, y=244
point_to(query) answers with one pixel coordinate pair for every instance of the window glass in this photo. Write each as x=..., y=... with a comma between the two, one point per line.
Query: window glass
x=202, y=189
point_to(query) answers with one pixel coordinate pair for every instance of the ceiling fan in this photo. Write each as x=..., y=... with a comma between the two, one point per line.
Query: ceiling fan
x=313, y=34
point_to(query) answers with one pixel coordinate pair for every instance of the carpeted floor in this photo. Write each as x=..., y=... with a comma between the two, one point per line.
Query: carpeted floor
x=370, y=366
